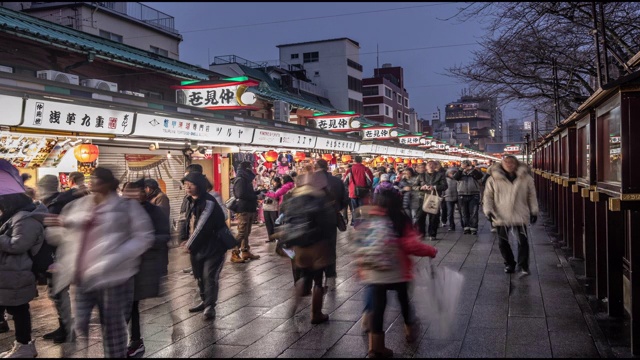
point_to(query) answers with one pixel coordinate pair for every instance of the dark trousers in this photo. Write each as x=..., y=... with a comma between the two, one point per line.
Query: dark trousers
x=379, y=297
x=469, y=205
x=207, y=274
x=443, y=211
x=345, y=212
x=432, y=219
x=21, y=320
x=311, y=276
x=330, y=270
x=450, y=210
x=134, y=319
x=269, y=221
x=245, y=221
x=355, y=203
x=523, y=246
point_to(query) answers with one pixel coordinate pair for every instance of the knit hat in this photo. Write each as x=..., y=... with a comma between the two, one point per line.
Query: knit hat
x=384, y=177
x=198, y=179
x=47, y=186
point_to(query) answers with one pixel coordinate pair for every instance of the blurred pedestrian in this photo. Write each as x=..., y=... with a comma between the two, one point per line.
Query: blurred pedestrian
x=156, y=197
x=279, y=189
x=411, y=199
x=153, y=263
x=360, y=180
x=430, y=182
x=510, y=201
x=21, y=236
x=468, y=178
x=451, y=199
x=101, y=240
x=247, y=199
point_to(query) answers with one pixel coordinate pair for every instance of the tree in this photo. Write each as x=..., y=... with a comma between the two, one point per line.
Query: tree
x=523, y=39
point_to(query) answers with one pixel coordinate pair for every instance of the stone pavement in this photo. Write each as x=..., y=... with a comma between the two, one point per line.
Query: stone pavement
x=499, y=315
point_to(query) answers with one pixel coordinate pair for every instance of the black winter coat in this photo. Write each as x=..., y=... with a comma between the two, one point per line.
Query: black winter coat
x=437, y=179
x=154, y=262
x=209, y=220
x=243, y=191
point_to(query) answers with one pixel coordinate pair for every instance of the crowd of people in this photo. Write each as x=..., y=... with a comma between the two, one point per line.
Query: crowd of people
x=69, y=238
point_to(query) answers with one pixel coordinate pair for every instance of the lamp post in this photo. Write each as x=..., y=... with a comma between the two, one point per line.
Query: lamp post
x=527, y=152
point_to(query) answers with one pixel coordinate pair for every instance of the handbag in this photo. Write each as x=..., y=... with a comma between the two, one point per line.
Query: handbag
x=232, y=204
x=360, y=191
x=342, y=224
x=431, y=204
x=226, y=238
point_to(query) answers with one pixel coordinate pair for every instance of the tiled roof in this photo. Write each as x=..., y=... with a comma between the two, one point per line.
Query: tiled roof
x=269, y=93
x=48, y=32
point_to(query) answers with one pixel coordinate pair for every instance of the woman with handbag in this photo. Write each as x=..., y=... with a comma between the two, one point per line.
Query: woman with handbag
x=431, y=184
x=272, y=201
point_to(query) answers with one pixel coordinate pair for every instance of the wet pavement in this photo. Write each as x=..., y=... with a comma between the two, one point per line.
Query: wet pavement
x=499, y=315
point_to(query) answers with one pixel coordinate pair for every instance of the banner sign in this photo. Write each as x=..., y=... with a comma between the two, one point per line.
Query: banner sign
x=278, y=138
x=229, y=95
x=175, y=128
x=337, y=145
x=338, y=122
x=379, y=134
x=410, y=140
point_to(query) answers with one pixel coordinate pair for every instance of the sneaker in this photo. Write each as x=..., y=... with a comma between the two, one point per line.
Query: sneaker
x=493, y=230
x=452, y=228
x=431, y=238
x=524, y=272
x=467, y=231
x=4, y=327
x=235, y=257
x=509, y=269
x=135, y=347
x=21, y=351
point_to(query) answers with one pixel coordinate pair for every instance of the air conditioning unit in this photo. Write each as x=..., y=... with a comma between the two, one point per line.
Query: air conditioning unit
x=100, y=84
x=133, y=93
x=58, y=76
x=281, y=111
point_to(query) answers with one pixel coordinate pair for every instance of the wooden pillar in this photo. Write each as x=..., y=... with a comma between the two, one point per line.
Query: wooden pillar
x=601, y=248
x=615, y=253
x=560, y=214
x=590, y=253
x=576, y=229
x=633, y=232
x=568, y=217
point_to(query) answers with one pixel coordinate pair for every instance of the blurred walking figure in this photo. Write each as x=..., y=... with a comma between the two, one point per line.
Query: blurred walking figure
x=205, y=219
x=153, y=264
x=156, y=197
x=510, y=201
x=276, y=195
x=411, y=199
x=247, y=207
x=21, y=236
x=101, y=240
x=468, y=178
x=383, y=242
x=429, y=181
x=360, y=180
x=451, y=199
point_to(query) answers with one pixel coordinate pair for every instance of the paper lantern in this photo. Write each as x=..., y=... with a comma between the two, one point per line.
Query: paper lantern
x=86, y=153
x=271, y=156
x=420, y=161
x=327, y=157
x=407, y=161
x=398, y=160
x=346, y=158
x=414, y=161
x=380, y=159
x=268, y=165
x=300, y=156
x=390, y=160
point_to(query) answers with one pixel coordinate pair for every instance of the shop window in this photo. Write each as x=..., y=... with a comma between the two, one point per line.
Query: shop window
x=355, y=105
x=310, y=57
x=406, y=118
x=583, y=152
x=406, y=102
x=354, y=84
x=399, y=117
x=609, y=146
x=387, y=110
x=399, y=97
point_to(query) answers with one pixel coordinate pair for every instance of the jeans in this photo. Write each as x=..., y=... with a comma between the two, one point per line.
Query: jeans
x=355, y=203
x=523, y=246
x=21, y=320
x=450, y=210
x=469, y=205
x=207, y=274
x=379, y=301
x=368, y=298
x=412, y=214
x=244, y=229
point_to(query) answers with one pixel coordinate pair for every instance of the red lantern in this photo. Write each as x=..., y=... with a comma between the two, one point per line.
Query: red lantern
x=420, y=161
x=268, y=165
x=86, y=153
x=300, y=156
x=271, y=156
x=390, y=160
x=346, y=158
x=327, y=157
x=380, y=159
x=407, y=161
x=398, y=160
x=414, y=161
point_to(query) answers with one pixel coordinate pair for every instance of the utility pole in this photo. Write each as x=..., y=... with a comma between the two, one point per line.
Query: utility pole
x=526, y=136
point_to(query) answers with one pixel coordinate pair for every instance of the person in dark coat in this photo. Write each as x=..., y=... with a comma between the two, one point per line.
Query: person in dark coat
x=247, y=201
x=204, y=220
x=156, y=196
x=153, y=264
x=429, y=181
x=21, y=236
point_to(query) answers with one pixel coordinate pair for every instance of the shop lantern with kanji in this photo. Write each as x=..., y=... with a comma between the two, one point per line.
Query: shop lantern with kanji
x=271, y=156
x=86, y=153
x=390, y=160
x=420, y=161
x=398, y=159
x=327, y=157
x=407, y=161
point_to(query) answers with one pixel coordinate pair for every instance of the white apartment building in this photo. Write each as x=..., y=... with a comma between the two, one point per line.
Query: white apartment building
x=333, y=65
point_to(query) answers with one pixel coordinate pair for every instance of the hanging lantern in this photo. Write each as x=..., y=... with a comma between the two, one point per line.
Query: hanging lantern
x=86, y=153
x=380, y=159
x=327, y=157
x=407, y=161
x=271, y=156
x=420, y=161
x=414, y=161
x=300, y=156
x=398, y=160
x=346, y=158
x=268, y=165
x=390, y=160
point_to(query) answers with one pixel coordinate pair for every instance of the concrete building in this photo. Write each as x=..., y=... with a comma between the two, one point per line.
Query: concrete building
x=513, y=131
x=331, y=64
x=385, y=98
x=130, y=23
x=480, y=117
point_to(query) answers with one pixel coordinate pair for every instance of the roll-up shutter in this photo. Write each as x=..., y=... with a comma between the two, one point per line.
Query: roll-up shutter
x=170, y=170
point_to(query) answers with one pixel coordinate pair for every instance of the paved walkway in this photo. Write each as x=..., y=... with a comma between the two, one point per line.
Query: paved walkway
x=499, y=315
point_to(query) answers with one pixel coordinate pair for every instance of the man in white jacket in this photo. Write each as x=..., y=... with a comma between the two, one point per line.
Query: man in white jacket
x=101, y=238
x=510, y=201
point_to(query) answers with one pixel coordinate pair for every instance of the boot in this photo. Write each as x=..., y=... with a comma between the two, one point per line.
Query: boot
x=365, y=324
x=21, y=351
x=377, y=348
x=317, y=317
x=197, y=308
x=235, y=257
x=57, y=333
x=4, y=327
x=247, y=255
x=411, y=332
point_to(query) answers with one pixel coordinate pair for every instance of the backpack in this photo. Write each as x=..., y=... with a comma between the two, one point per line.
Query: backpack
x=303, y=220
x=375, y=243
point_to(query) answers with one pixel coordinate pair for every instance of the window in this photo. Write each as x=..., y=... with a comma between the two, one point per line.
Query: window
x=310, y=57
x=371, y=110
x=610, y=151
x=406, y=102
x=370, y=91
x=583, y=151
x=110, y=36
x=406, y=118
x=387, y=92
x=354, y=65
x=355, y=105
x=295, y=56
x=387, y=110
x=399, y=99
x=399, y=117
x=354, y=84
x=159, y=51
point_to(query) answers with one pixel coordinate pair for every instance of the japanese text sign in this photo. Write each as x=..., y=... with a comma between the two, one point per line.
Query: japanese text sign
x=344, y=122
x=221, y=96
x=174, y=128
x=337, y=145
x=378, y=134
x=410, y=140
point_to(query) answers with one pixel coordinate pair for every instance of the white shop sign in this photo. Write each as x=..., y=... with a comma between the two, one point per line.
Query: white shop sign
x=410, y=140
x=174, y=128
x=393, y=151
x=51, y=115
x=365, y=148
x=11, y=110
x=336, y=145
x=299, y=141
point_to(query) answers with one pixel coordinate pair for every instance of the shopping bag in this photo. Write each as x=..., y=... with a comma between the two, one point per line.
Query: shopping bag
x=439, y=289
x=431, y=204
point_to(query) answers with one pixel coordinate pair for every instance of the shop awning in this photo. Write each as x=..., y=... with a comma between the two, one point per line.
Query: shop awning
x=50, y=33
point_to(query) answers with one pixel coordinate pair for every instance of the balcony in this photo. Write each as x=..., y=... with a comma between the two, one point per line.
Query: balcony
x=354, y=65
x=310, y=88
x=143, y=13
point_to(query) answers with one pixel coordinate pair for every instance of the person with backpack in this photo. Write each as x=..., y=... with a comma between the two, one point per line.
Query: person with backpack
x=359, y=179
x=383, y=242
x=468, y=178
x=310, y=221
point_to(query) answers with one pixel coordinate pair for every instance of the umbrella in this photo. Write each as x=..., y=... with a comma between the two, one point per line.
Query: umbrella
x=10, y=180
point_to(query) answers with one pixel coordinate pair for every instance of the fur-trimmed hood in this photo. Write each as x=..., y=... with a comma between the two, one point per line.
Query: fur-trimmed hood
x=510, y=203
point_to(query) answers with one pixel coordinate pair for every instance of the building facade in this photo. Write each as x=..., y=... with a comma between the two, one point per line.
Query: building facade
x=513, y=131
x=480, y=117
x=130, y=23
x=332, y=65
x=386, y=100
